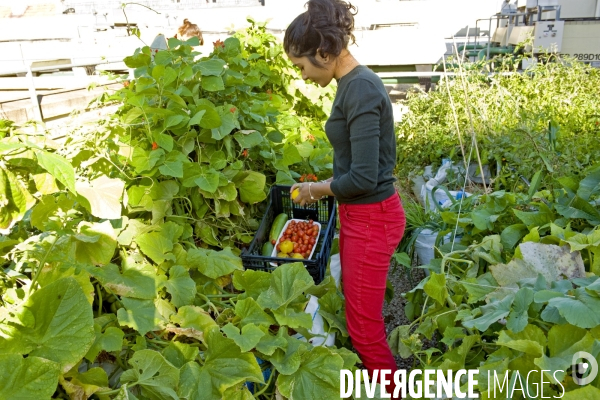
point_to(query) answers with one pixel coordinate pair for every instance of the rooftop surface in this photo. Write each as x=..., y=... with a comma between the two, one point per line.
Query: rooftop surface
x=388, y=32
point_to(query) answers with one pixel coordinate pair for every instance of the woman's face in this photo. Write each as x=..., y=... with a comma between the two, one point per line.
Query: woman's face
x=320, y=76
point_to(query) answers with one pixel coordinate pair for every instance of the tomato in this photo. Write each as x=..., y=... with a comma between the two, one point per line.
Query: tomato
x=303, y=236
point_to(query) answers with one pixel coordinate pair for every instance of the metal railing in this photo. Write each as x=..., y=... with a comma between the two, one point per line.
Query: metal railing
x=89, y=7
x=29, y=71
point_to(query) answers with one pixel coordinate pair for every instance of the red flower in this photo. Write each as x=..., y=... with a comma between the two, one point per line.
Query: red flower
x=245, y=153
x=154, y=145
x=125, y=83
x=308, y=177
x=311, y=137
x=232, y=109
x=219, y=44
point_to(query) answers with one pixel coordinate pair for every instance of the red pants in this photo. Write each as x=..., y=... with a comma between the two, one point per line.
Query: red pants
x=369, y=235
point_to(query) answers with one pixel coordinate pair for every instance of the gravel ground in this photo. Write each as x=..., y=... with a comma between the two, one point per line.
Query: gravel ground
x=393, y=313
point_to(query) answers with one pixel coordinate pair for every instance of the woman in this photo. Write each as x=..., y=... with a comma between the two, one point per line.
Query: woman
x=361, y=131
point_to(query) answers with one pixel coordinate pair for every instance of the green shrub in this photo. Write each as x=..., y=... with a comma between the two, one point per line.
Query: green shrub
x=544, y=118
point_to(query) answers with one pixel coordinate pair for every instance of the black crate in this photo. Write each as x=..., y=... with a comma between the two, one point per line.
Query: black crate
x=323, y=211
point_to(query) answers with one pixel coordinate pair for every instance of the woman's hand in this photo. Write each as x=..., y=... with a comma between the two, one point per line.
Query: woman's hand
x=318, y=189
x=303, y=197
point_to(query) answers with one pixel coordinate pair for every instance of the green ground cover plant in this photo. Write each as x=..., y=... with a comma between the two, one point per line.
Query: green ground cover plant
x=516, y=292
x=545, y=118
x=217, y=132
x=120, y=274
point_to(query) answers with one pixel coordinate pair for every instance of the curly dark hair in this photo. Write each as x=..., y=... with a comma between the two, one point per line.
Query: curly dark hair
x=325, y=27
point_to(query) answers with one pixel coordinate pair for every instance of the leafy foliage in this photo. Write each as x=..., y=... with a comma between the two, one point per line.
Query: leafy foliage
x=514, y=292
x=524, y=274
x=211, y=135
x=120, y=272
x=523, y=324
x=544, y=119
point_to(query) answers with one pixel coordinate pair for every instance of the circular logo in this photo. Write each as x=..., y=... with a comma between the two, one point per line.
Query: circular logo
x=585, y=368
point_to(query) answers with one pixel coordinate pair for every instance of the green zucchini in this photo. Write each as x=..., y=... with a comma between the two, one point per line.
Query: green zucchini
x=267, y=249
x=278, y=224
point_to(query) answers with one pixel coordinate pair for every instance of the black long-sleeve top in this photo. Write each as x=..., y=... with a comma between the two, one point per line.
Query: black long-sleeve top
x=361, y=131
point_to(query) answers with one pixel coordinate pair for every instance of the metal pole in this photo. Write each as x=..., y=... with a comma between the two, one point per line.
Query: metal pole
x=490, y=36
x=37, y=112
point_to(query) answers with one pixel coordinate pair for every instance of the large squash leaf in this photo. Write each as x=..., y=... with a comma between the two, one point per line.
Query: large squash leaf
x=60, y=325
x=317, y=378
x=27, y=378
x=156, y=377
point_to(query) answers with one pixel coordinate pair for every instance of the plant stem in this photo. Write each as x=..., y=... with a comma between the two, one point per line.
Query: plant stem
x=115, y=391
x=208, y=302
x=99, y=313
x=125, y=14
x=217, y=296
x=41, y=265
x=261, y=391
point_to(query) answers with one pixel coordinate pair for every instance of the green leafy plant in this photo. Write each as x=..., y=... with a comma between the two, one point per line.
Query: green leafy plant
x=527, y=315
x=544, y=118
x=123, y=242
x=523, y=276
x=203, y=140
